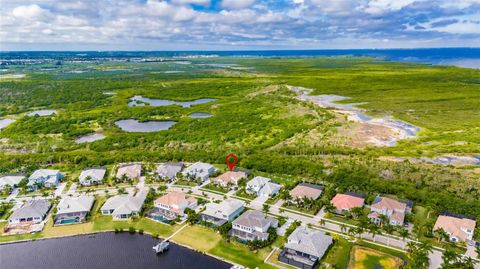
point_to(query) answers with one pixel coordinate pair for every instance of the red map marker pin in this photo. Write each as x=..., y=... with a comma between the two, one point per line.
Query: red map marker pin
x=231, y=164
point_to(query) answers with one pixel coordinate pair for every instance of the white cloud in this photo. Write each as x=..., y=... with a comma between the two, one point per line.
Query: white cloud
x=381, y=6
x=237, y=4
x=460, y=28
x=30, y=12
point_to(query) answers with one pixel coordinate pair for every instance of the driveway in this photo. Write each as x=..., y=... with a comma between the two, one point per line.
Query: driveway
x=258, y=202
x=13, y=195
x=72, y=189
x=59, y=190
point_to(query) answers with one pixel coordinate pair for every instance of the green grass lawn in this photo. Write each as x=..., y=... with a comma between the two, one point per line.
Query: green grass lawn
x=339, y=254
x=214, y=187
x=209, y=241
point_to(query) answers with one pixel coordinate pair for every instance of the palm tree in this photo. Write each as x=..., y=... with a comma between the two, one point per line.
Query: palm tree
x=322, y=222
x=403, y=233
x=449, y=257
x=343, y=227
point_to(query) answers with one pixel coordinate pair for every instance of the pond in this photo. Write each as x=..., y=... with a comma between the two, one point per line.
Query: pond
x=5, y=122
x=102, y=251
x=42, y=112
x=134, y=126
x=200, y=115
x=90, y=138
x=140, y=101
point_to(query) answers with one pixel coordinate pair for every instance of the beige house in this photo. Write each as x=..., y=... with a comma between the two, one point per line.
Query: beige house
x=459, y=229
x=172, y=205
x=129, y=171
x=306, y=190
x=394, y=210
x=229, y=178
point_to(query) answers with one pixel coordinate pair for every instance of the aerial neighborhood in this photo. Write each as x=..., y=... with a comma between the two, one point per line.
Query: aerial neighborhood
x=312, y=218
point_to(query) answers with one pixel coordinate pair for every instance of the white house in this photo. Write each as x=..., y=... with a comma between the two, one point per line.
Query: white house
x=44, y=177
x=72, y=210
x=225, y=211
x=262, y=186
x=124, y=206
x=394, y=210
x=200, y=171
x=11, y=181
x=92, y=176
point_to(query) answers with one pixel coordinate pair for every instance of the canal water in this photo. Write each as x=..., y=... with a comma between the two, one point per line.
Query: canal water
x=102, y=251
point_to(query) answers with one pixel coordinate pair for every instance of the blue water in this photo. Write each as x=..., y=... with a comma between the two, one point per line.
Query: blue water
x=68, y=221
x=102, y=251
x=140, y=101
x=466, y=57
x=134, y=126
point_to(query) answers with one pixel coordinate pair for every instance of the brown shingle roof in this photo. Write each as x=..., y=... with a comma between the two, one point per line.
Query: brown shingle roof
x=305, y=190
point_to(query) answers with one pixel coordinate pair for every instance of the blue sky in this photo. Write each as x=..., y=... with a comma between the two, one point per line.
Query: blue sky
x=237, y=24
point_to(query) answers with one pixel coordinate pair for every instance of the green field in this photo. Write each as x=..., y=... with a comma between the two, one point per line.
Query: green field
x=257, y=118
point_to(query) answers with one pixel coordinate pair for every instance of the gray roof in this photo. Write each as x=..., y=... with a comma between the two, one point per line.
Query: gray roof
x=169, y=170
x=226, y=207
x=95, y=174
x=81, y=203
x=125, y=204
x=259, y=180
x=309, y=241
x=200, y=170
x=255, y=218
x=10, y=180
x=43, y=173
x=31, y=209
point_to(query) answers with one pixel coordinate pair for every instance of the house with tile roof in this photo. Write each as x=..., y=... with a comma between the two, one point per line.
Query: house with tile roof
x=393, y=209
x=44, y=177
x=92, y=176
x=168, y=171
x=252, y=225
x=129, y=171
x=459, y=229
x=199, y=171
x=71, y=210
x=124, y=206
x=172, y=205
x=305, y=247
x=346, y=202
x=229, y=179
x=262, y=186
x=306, y=191
x=223, y=212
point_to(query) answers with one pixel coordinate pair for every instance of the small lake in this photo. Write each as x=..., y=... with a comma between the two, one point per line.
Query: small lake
x=134, y=126
x=90, y=138
x=42, y=112
x=139, y=101
x=102, y=251
x=5, y=122
x=200, y=115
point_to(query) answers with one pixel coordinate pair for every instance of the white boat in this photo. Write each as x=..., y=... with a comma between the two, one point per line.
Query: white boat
x=161, y=247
